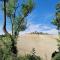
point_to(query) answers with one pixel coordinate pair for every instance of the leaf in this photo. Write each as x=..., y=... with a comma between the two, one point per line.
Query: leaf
x=54, y=22
x=27, y=8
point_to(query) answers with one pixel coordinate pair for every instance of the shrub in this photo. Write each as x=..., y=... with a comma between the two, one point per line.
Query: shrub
x=5, y=48
x=56, y=57
x=6, y=53
x=29, y=57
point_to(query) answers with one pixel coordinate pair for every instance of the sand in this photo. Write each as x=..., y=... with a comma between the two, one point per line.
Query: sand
x=44, y=45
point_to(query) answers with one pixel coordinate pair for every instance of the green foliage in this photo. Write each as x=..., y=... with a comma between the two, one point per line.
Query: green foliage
x=18, y=21
x=19, y=24
x=58, y=40
x=6, y=54
x=56, y=21
x=33, y=51
x=57, y=57
x=5, y=48
x=27, y=8
x=34, y=56
x=10, y=7
x=58, y=6
x=30, y=56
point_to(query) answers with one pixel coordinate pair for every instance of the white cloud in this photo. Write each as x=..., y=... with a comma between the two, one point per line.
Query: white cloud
x=39, y=28
x=36, y=27
x=52, y=31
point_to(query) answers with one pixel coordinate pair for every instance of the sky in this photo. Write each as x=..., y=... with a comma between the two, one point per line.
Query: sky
x=39, y=19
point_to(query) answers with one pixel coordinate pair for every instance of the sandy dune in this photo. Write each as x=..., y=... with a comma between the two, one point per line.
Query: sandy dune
x=43, y=44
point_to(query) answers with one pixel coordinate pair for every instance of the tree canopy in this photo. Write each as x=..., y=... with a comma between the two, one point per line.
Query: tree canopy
x=18, y=21
x=56, y=20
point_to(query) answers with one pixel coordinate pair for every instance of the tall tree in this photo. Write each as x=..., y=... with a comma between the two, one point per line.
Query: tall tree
x=56, y=21
x=26, y=9
x=18, y=19
x=11, y=10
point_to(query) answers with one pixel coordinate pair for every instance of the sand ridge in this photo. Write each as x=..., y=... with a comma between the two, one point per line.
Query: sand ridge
x=44, y=45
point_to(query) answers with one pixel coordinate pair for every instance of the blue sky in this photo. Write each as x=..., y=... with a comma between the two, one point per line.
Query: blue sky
x=43, y=12
x=39, y=19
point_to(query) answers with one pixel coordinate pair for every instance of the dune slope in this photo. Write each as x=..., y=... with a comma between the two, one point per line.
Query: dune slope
x=44, y=45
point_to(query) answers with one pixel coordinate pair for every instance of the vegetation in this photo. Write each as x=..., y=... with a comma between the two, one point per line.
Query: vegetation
x=5, y=48
x=6, y=54
x=57, y=57
x=18, y=21
x=38, y=33
x=56, y=22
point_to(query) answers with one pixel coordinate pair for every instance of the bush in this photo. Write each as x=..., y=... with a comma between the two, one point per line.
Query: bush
x=29, y=57
x=56, y=57
x=6, y=53
x=33, y=56
x=5, y=48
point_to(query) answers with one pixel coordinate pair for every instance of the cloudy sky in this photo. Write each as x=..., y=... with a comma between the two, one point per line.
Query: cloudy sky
x=39, y=19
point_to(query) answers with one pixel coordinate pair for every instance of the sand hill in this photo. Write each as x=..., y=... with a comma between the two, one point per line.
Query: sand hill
x=44, y=44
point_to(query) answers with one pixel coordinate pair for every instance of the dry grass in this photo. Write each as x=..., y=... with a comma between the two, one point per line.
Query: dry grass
x=43, y=44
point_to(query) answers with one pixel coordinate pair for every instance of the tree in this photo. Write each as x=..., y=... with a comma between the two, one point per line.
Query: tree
x=18, y=21
x=56, y=21
x=25, y=9
x=11, y=10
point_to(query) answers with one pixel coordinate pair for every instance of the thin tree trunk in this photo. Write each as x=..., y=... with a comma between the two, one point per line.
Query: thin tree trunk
x=13, y=24
x=14, y=48
x=4, y=26
x=12, y=27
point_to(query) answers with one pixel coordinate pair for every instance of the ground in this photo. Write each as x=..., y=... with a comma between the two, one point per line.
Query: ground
x=44, y=44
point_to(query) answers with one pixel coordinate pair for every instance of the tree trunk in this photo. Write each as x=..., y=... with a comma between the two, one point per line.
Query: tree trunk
x=12, y=27
x=4, y=26
x=14, y=48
